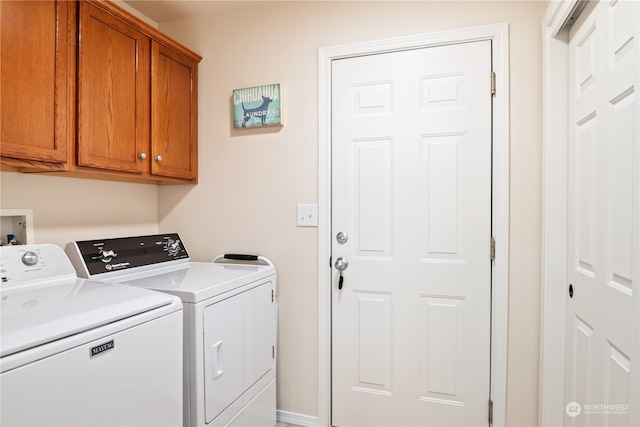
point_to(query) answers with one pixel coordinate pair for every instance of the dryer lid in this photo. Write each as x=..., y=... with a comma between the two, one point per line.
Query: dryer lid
x=32, y=316
x=199, y=281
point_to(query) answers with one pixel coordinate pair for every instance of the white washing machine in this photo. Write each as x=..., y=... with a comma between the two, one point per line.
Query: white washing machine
x=229, y=321
x=78, y=352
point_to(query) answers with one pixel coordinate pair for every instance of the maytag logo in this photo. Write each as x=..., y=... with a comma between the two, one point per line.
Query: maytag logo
x=102, y=348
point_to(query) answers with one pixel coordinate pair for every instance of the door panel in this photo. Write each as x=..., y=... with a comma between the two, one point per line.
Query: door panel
x=174, y=130
x=238, y=346
x=113, y=92
x=411, y=187
x=37, y=45
x=603, y=221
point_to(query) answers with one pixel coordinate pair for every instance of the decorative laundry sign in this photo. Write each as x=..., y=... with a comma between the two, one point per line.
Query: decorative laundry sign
x=257, y=106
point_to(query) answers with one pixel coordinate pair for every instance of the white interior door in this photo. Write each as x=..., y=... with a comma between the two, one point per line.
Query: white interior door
x=411, y=190
x=604, y=218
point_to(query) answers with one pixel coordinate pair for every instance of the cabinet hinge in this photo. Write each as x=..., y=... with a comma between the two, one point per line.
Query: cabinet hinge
x=493, y=248
x=490, y=412
x=493, y=83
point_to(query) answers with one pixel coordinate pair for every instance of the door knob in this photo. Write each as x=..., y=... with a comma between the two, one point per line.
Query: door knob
x=341, y=264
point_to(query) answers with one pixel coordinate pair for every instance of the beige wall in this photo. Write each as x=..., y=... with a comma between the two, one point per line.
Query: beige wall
x=68, y=209
x=250, y=181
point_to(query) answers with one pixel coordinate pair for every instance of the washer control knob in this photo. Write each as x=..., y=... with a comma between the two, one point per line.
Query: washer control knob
x=173, y=247
x=30, y=258
x=106, y=256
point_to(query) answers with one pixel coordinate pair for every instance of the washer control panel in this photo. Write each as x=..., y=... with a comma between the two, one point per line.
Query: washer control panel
x=33, y=263
x=107, y=255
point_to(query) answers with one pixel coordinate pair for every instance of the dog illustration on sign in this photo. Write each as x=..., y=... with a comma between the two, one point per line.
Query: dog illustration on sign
x=259, y=112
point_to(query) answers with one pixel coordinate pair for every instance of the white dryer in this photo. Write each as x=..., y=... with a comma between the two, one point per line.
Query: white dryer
x=229, y=321
x=78, y=352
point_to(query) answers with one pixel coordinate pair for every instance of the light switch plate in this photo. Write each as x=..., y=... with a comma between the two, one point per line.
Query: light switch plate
x=307, y=215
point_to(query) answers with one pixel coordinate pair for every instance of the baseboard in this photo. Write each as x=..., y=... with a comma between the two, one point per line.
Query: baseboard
x=296, y=419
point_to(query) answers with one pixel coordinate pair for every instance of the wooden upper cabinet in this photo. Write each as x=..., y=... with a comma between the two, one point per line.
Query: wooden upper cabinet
x=37, y=81
x=174, y=112
x=89, y=89
x=113, y=93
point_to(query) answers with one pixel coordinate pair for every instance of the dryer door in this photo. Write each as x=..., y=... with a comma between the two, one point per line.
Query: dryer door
x=239, y=335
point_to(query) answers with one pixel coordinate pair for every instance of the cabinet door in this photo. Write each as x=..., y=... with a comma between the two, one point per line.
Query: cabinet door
x=174, y=115
x=113, y=93
x=37, y=73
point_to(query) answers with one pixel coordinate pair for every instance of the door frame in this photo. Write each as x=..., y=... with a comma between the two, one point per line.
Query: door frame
x=499, y=35
x=555, y=62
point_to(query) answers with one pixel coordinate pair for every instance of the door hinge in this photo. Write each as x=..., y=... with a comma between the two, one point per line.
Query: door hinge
x=273, y=352
x=490, y=412
x=271, y=295
x=493, y=248
x=493, y=83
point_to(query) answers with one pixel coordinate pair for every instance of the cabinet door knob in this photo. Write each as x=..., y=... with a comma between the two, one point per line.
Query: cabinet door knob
x=142, y=156
x=158, y=158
